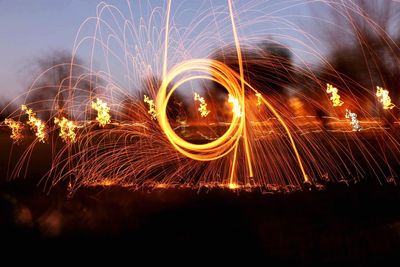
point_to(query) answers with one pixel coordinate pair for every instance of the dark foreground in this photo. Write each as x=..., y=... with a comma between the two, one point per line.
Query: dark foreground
x=355, y=225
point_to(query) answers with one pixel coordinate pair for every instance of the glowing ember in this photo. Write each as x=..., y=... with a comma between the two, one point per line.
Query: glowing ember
x=103, y=116
x=67, y=129
x=259, y=100
x=233, y=186
x=36, y=124
x=152, y=107
x=203, y=105
x=355, y=124
x=384, y=98
x=236, y=109
x=16, y=129
x=335, y=97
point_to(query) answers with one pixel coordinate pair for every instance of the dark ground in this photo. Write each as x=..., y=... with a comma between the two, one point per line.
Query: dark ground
x=357, y=225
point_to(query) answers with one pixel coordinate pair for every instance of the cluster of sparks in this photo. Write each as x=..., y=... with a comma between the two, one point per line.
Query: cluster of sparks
x=355, y=124
x=152, y=107
x=203, y=105
x=335, y=97
x=236, y=109
x=381, y=93
x=67, y=129
x=384, y=98
x=103, y=115
x=259, y=100
x=336, y=102
x=16, y=129
x=37, y=125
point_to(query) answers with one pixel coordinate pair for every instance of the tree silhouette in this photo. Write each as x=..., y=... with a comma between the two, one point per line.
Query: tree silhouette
x=368, y=55
x=60, y=80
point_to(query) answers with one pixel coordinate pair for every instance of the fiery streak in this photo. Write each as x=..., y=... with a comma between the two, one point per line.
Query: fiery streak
x=16, y=129
x=36, y=124
x=236, y=109
x=335, y=97
x=355, y=124
x=152, y=107
x=67, y=129
x=103, y=116
x=203, y=105
x=384, y=98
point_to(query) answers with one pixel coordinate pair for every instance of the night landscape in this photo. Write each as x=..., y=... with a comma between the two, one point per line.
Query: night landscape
x=264, y=131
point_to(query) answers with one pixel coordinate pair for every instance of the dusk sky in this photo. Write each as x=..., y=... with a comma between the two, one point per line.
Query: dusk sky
x=32, y=29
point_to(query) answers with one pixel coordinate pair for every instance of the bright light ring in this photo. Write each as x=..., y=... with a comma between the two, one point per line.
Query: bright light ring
x=215, y=71
x=218, y=72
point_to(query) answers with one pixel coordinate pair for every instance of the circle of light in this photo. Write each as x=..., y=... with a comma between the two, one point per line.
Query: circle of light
x=210, y=70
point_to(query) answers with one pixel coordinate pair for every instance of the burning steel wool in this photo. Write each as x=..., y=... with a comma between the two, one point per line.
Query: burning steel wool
x=152, y=108
x=203, y=105
x=355, y=124
x=36, y=124
x=103, y=116
x=249, y=134
x=384, y=98
x=67, y=129
x=335, y=97
x=16, y=129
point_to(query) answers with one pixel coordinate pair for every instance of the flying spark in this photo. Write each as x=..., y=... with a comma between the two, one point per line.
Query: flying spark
x=67, y=129
x=36, y=124
x=355, y=124
x=384, y=98
x=259, y=100
x=103, y=116
x=203, y=105
x=16, y=129
x=236, y=109
x=152, y=107
x=335, y=97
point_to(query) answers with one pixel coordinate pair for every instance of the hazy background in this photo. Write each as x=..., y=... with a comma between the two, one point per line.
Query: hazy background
x=31, y=29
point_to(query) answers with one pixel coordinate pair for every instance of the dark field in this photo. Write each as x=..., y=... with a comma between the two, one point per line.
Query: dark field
x=357, y=224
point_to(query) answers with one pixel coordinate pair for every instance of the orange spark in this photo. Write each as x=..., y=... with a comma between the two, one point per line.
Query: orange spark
x=152, y=107
x=384, y=98
x=355, y=124
x=103, y=116
x=36, y=124
x=259, y=101
x=203, y=105
x=335, y=97
x=16, y=129
x=236, y=109
x=67, y=129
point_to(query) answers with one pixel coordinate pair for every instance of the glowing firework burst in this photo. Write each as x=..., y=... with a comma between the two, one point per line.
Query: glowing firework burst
x=355, y=124
x=16, y=129
x=103, y=116
x=67, y=129
x=384, y=98
x=236, y=109
x=259, y=100
x=152, y=107
x=335, y=97
x=36, y=124
x=203, y=105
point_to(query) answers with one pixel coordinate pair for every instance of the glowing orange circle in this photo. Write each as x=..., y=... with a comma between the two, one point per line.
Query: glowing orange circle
x=211, y=70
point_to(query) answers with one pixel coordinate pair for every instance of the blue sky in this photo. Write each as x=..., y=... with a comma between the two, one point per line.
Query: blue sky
x=32, y=29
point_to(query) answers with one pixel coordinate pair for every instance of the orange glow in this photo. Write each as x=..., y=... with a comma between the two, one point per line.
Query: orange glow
x=36, y=124
x=16, y=129
x=67, y=129
x=103, y=116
